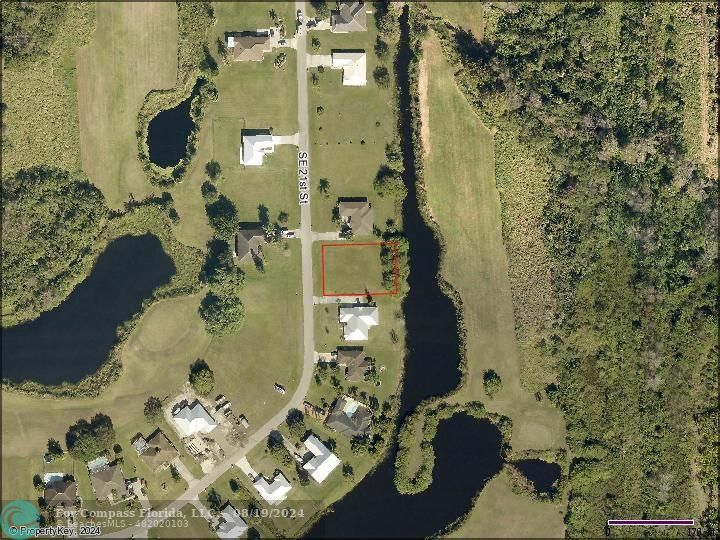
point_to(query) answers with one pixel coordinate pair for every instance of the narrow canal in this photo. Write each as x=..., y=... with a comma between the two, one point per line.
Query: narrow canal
x=467, y=451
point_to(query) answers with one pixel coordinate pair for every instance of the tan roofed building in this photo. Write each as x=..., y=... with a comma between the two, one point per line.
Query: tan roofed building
x=358, y=214
x=249, y=46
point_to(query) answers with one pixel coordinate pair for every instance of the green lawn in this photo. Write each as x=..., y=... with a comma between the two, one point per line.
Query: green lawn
x=133, y=51
x=500, y=513
x=350, y=116
x=41, y=121
x=188, y=524
x=350, y=269
x=251, y=95
x=268, y=348
x=387, y=352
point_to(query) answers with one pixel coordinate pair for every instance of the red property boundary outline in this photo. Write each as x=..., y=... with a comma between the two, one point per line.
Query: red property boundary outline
x=396, y=268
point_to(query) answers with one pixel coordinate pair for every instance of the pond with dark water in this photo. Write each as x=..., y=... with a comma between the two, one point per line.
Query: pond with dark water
x=74, y=339
x=467, y=451
x=542, y=474
x=168, y=134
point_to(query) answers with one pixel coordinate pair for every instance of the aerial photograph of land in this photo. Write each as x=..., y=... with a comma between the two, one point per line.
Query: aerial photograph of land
x=355, y=269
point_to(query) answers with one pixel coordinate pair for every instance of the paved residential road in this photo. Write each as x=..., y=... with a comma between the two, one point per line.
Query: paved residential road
x=198, y=485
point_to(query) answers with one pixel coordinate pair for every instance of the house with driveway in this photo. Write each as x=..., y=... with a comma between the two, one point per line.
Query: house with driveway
x=357, y=214
x=251, y=46
x=354, y=362
x=350, y=417
x=353, y=64
x=273, y=492
x=248, y=244
x=108, y=483
x=60, y=490
x=157, y=451
x=255, y=144
x=193, y=418
x=356, y=321
x=230, y=523
x=322, y=462
x=349, y=17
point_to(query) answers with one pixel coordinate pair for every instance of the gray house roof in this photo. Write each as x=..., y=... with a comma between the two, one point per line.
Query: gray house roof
x=107, y=479
x=61, y=493
x=358, y=214
x=349, y=417
x=354, y=361
x=350, y=17
x=247, y=243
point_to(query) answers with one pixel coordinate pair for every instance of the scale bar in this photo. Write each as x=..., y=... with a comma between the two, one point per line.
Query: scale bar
x=650, y=522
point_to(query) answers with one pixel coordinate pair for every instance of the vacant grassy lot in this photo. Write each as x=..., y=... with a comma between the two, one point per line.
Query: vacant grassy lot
x=465, y=203
x=347, y=141
x=351, y=269
x=467, y=15
x=491, y=516
x=41, y=121
x=251, y=95
x=133, y=51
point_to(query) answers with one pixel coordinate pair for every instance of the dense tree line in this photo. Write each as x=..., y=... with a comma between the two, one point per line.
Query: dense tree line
x=50, y=221
x=630, y=225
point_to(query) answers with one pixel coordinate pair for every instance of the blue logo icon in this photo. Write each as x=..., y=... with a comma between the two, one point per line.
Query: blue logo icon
x=19, y=519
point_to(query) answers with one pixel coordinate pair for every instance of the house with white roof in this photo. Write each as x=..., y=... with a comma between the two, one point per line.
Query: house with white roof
x=353, y=64
x=193, y=418
x=323, y=461
x=273, y=492
x=230, y=525
x=255, y=144
x=357, y=320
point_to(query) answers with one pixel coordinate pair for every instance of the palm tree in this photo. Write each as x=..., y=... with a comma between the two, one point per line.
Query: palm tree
x=324, y=186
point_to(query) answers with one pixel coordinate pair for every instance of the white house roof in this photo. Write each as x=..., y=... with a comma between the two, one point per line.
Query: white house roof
x=274, y=492
x=192, y=419
x=323, y=462
x=358, y=320
x=254, y=148
x=231, y=524
x=353, y=65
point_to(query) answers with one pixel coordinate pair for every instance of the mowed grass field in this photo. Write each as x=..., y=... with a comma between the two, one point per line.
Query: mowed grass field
x=347, y=141
x=41, y=121
x=464, y=201
x=133, y=51
x=188, y=524
x=251, y=95
x=500, y=513
x=349, y=268
x=156, y=361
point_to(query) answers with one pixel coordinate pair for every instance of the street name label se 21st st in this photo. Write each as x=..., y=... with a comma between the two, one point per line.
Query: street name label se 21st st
x=303, y=178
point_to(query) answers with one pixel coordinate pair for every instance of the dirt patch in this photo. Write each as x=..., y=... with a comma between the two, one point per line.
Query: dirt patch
x=428, y=45
x=709, y=143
